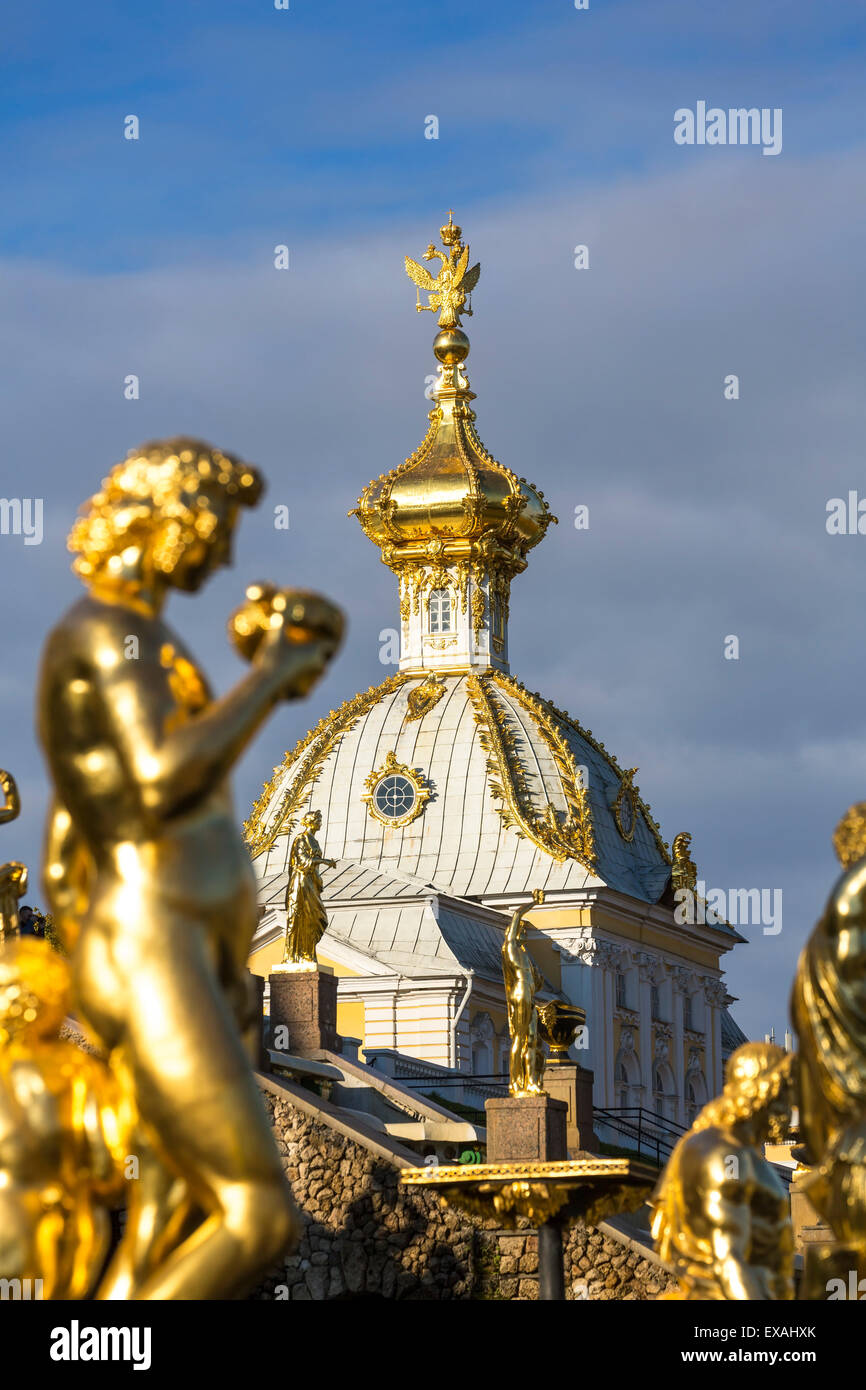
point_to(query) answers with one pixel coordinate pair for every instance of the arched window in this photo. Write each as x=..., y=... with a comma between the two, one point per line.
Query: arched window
x=480, y=1059
x=440, y=610
x=664, y=1088
x=692, y=1106
x=658, y=1091
x=622, y=1084
x=498, y=619
x=696, y=1088
x=627, y=1081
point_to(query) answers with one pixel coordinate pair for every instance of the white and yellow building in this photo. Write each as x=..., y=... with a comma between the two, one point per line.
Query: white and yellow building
x=450, y=791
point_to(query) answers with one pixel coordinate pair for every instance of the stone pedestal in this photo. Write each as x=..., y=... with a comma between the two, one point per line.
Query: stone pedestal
x=305, y=1002
x=571, y=1083
x=809, y=1227
x=831, y=1269
x=526, y=1129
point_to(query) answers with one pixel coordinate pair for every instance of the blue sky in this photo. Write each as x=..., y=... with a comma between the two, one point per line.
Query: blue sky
x=306, y=127
x=311, y=120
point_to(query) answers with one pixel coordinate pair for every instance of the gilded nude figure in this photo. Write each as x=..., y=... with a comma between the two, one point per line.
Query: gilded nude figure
x=147, y=877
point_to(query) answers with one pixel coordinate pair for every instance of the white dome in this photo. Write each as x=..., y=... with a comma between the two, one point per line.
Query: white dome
x=512, y=794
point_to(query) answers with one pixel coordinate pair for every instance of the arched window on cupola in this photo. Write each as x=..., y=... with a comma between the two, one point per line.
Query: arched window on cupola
x=497, y=615
x=440, y=610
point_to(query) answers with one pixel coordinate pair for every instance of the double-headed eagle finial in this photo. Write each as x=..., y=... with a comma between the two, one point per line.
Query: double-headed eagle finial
x=448, y=290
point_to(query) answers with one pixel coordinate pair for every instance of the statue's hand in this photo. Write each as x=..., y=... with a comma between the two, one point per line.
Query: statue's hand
x=289, y=633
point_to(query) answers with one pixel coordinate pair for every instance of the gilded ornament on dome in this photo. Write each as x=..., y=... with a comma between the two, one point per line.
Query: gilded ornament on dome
x=568, y=836
x=269, y=818
x=449, y=288
x=451, y=504
x=395, y=793
x=625, y=806
x=424, y=697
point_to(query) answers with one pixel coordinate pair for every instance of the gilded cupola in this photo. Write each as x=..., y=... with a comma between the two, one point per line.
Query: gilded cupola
x=452, y=523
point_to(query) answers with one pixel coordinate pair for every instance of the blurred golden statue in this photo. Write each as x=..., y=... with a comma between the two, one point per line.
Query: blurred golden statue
x=522, y=981
x=306, y=918
x=148, y=880
x=13, y=876
x=721, y=1214
x=828, y=1011
x=64, y=1133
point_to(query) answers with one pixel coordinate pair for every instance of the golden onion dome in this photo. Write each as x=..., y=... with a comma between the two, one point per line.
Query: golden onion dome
x=451, y=500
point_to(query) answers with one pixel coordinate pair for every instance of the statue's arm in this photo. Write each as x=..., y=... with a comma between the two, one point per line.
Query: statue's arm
x=514, y=925
x=11, y=800
x=173, y=769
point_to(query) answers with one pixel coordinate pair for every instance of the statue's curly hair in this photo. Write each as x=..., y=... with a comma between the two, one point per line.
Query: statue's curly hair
x=756, y=1074
x=160, y=493
x=849, y=837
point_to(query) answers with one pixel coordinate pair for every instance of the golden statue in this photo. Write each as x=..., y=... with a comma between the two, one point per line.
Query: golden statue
x=522, y=981
x=828, y=1011
x=147, y=877
x=721, y=1213
x=306, y=919
x=448, y=290
x=13, y=876
x=684, y=873
x=64, y=1132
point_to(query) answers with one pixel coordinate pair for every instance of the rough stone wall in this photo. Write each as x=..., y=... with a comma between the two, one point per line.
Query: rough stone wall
x=366, y=1238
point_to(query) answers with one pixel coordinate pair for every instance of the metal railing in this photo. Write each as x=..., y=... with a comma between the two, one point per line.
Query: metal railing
x=650, y=1133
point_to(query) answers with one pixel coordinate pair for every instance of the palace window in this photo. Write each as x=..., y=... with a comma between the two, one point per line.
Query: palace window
x=658, y=1091
x=687, y=1012
x=655, y=1005
x=621, y=1001
x=498, y=623
x=394, y=797
x=440, y=610
x=622, y=1084
x=692, y=1105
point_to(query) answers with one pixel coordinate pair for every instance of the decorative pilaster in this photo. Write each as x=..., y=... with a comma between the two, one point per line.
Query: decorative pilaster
x=649, y=973
x=589, y=967
x=680, y=981
x=715, y=995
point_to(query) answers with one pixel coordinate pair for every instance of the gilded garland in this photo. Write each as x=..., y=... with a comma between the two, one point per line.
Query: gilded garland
x=569, y=837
